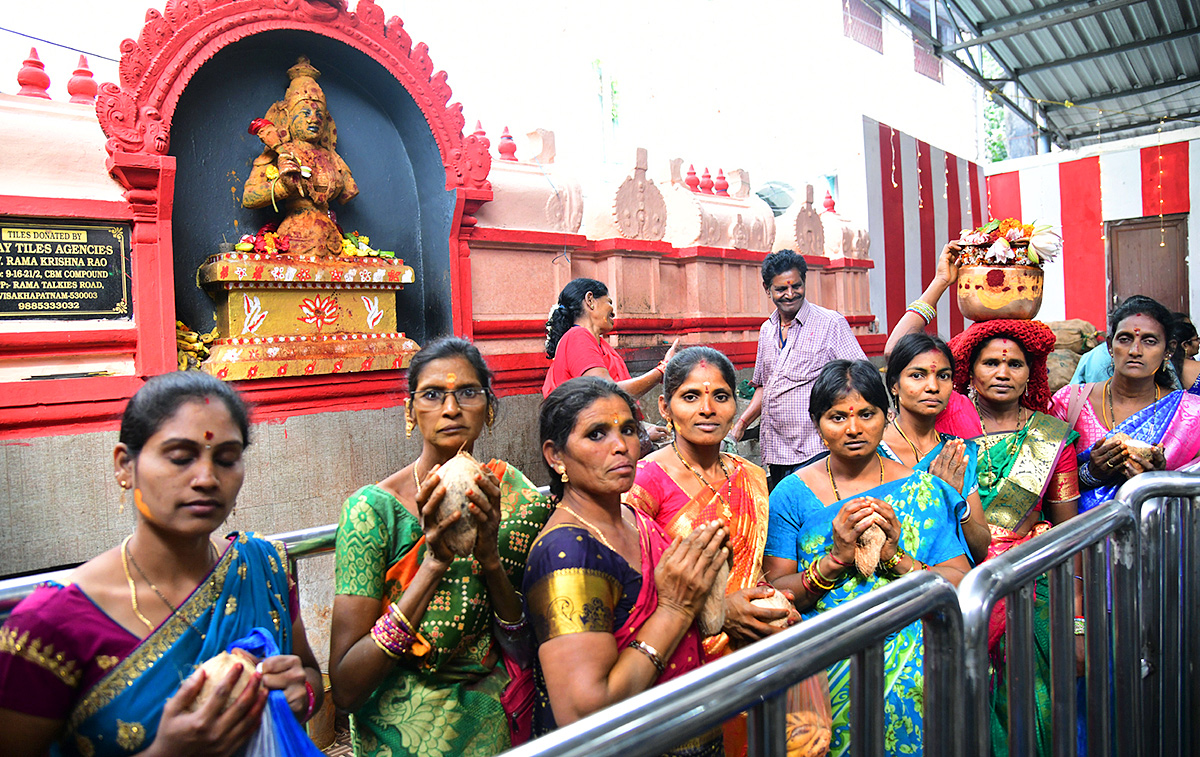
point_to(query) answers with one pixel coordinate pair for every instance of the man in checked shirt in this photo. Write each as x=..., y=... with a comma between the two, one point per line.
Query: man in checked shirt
x=794, y=344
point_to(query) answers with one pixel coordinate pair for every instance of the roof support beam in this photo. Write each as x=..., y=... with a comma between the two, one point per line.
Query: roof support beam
x=924, y=35
x=1130, y=92
x=1032, y=13
x=1181, y=34
x=1043, y=23
x=1107, y=130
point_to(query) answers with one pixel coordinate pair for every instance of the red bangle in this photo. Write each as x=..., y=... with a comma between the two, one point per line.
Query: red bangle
x=312, y=701
x=836, y=561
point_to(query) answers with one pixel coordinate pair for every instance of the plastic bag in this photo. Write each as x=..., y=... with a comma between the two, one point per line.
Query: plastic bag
x=280, y=734
x=809, y=718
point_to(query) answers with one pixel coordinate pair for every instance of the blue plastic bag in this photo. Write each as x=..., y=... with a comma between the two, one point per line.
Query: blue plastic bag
x=280, y=734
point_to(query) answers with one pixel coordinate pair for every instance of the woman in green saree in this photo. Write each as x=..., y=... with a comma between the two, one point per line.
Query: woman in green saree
x=417, y=632
x=106, y=664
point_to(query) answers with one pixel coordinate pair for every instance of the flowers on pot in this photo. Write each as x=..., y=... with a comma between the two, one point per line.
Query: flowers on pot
x=1009, y=242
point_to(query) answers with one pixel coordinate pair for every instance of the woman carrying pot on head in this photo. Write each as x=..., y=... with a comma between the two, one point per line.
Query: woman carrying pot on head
x=106, y=664
x=1133, y=422
x=920, y=379
x=693, y=482
x=818, y=515
x=613, y=599
x=418, y=629
x=1027, y=474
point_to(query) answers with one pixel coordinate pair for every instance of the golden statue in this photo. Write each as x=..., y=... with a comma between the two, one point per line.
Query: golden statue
x=299, y=167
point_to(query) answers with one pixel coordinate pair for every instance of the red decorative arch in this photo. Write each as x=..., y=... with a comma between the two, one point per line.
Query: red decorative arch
x=155, y=69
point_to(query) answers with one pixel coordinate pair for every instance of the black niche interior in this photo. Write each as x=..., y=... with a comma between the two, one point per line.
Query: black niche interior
x=402, y=205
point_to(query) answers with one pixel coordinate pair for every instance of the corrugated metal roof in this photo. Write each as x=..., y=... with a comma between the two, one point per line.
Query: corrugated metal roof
x=1127, y=67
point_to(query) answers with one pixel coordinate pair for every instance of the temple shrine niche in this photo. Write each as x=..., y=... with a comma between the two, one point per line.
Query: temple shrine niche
x=302, y=296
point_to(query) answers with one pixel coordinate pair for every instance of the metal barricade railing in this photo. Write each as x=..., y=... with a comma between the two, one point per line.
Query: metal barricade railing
x=1170, y=607
x=757, y=678
x=307, y=542
x=1107, y=538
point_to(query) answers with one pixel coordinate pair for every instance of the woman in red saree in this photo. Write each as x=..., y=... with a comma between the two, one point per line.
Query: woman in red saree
x=612, y=598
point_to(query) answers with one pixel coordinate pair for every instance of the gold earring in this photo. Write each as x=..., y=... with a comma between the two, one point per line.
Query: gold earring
x=408, y=426
x=671, y=426
x=491, y=419
x=563, y=474
x=124, y=489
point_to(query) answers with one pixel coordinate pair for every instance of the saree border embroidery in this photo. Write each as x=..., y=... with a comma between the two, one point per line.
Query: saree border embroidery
x=154, y=646
x=1021, y=488
x=574, y=600
x=44, y=657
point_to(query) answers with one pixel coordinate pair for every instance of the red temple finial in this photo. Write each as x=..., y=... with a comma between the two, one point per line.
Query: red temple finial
x=479, y=132
x=706, y=183
x=508, y=147
x=33, y=78
x=82, y=87
x=828, y=201
x=692, y=181
x=721, y=185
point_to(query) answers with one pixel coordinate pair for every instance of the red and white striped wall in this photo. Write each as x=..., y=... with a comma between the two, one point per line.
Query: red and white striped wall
x=918, y=198
x=1080, y=190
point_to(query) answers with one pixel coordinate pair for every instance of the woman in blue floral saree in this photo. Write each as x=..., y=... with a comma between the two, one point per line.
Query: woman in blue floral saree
x=811, y=545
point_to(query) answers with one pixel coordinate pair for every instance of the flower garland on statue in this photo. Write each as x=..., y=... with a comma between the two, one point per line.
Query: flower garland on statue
x=1009, y=242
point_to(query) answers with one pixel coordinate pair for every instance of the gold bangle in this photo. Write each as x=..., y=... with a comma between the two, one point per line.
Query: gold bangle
x=815, y=580
x=383, y=648
x=821, y=575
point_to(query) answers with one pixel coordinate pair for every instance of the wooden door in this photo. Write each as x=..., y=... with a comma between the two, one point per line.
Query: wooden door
x=1149, y=256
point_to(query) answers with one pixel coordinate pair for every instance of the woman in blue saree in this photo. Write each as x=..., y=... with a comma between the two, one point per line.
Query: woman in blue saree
x=106, y=665
x=818, y=514
x=920, y=379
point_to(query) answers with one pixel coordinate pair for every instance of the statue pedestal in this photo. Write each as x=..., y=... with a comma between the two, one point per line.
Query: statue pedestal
x=293, y=316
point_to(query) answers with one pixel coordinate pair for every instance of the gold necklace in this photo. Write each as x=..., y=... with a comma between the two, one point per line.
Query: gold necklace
x=1107, y=409
x=988, y=476
x=916, y=452
x=212, y=551
x=590, y=527
x=416, y=478
x=728, y=511
x=833, y=484
x=132, y=587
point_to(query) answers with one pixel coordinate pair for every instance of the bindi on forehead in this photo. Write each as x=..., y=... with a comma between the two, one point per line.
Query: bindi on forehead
x=208, y=436
x=451, y=379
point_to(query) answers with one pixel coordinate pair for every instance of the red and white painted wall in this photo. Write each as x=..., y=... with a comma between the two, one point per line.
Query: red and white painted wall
x=918, y=198
x=1080, y=190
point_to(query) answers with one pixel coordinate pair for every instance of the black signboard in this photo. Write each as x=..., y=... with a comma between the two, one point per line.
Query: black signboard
x=64, y=269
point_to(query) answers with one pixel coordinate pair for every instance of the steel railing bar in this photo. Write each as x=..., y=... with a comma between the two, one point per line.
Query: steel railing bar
x=1019, y=656
x=766, y=728
x=1124, y=549
x=1096, y=651
x=944, y=683
x=1062, y=659
x=669, y=714
x=866, y=702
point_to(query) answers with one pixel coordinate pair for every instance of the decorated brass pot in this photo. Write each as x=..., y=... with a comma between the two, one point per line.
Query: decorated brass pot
x=988, y=292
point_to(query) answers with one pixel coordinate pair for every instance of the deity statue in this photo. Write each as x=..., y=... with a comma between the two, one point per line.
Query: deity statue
x=299, y=167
